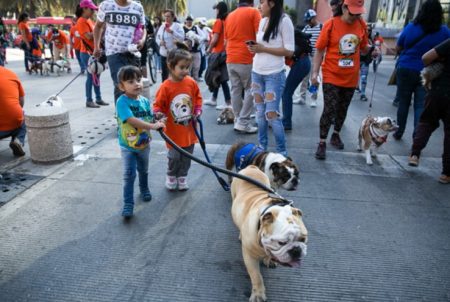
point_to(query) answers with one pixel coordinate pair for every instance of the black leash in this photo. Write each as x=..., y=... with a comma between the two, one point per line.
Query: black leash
x=201, y=139
x=273, y=194
x=68, y=84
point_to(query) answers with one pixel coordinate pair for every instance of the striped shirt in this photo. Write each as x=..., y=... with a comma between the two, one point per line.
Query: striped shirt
x=314, y=32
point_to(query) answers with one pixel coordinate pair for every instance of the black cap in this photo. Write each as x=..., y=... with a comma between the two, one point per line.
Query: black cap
x=189, y=18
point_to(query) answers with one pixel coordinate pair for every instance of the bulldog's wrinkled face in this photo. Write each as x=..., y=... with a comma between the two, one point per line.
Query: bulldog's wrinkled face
x=283, y=235
x=285, y=174
x=386, y=124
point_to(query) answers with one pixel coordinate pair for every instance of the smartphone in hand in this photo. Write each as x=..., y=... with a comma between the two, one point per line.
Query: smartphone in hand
x=250, y=42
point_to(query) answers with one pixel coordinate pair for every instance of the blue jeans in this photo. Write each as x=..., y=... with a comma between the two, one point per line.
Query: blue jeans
x=89, y=82
x=269, y=87
x=298, y=71
x=363, y=74
x=226, y=92
x=18, y=133
x=132, y=161
x=117, y=61
x=27, y=57
x=409, y=82
x=82, y=65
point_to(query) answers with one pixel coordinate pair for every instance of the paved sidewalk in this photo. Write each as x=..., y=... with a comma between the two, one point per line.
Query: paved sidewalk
x=377, y=233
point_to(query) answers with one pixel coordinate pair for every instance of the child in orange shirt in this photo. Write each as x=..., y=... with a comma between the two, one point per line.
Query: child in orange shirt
x=179, y=99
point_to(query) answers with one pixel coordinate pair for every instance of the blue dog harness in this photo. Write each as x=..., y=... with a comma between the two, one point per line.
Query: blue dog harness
x=244, y=156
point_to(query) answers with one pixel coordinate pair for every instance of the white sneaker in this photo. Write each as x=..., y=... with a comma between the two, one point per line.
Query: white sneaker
x=171, y=183
x=313, y=104
x=299, y=101
x=209, y=102
x=182, y=184
x=220, y=107
x=245, y=128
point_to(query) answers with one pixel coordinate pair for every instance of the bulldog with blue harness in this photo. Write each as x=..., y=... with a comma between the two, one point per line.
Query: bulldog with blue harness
x=282, y=172
x=245, y=156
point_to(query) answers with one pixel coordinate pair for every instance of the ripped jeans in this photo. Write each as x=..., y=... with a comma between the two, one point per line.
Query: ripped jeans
x=269, y=88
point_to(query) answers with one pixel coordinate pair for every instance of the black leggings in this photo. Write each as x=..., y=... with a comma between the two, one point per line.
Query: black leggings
x=335, y=105
x=437, y=107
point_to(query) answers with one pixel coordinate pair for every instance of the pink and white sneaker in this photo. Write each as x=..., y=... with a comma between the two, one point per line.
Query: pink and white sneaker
x=182, y=184
x=171, y=183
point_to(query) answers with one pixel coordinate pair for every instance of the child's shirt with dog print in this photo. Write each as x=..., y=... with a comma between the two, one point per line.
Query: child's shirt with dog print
x=131, y=138
x=179, y=101
x=343, y=43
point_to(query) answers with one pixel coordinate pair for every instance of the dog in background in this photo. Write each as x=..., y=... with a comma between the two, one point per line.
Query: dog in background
x=373, y=133
x=431, y=72
x=46, y=67
x=226, y=117
x=60, y=66
x=36, y=66
x=281, y=170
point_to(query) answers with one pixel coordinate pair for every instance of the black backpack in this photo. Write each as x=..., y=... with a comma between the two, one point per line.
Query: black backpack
x=302, y=43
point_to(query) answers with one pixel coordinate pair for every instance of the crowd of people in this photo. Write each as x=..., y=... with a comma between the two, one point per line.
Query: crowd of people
x=247, y=49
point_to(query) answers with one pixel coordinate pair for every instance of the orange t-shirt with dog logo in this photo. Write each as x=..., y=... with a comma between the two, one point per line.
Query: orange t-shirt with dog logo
x=85, y=26
x=178, y=101
x=59, y=40
x=74, y=36
x=11, y=113
x=343, y=43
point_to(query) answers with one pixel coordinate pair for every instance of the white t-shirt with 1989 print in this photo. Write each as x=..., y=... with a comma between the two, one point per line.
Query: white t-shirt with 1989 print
x=121, y=23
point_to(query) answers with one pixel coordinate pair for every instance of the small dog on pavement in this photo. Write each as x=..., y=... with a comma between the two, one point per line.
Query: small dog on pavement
x=226, y=117
x=270, y=229
x=373, y=133
x=281, y=170
x=36, y=66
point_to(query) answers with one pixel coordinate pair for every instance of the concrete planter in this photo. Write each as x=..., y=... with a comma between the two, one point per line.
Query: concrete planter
x=49, y=135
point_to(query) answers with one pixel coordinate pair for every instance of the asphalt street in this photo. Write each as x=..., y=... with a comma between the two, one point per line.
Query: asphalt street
x=376, y=233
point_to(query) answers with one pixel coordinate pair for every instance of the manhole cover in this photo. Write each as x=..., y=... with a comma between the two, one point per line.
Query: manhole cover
x=12, y=184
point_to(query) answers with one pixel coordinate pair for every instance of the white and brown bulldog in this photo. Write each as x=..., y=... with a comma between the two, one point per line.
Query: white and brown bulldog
x=281, y=170
x=373, y=133
x=271, y=229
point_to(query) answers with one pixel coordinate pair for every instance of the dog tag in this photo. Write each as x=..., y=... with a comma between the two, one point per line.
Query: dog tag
x=346, y=63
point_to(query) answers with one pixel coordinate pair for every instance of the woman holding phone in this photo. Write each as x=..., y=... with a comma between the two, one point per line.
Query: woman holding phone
x=168, y=34
x=274, y=42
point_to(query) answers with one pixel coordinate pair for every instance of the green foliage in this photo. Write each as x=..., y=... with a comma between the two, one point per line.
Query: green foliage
x=292, y=12
x=37, y=8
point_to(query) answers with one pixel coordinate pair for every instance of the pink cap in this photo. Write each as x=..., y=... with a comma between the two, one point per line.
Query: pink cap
x=88, y=4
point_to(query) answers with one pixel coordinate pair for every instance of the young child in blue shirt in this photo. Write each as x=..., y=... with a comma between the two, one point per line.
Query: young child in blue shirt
x=135, y=120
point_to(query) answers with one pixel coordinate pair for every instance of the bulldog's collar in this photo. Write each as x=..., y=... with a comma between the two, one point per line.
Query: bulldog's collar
x=377, y=139
x=276, y=201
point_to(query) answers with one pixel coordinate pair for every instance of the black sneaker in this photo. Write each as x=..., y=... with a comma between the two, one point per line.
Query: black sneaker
x=102, y=103
x=336, y=141
x=321, y=150
x=363, y=98
x=16, y=148
x=397, y=136
x=92, y=105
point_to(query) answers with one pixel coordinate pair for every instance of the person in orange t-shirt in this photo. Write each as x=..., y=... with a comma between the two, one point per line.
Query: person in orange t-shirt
x=24, y=30
x=12, y=123
x=241, y=26
x=75, y=43
x=217, y=46
x=60, y=43
x=339, y=45
x=179, y=99
x=85, y=26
